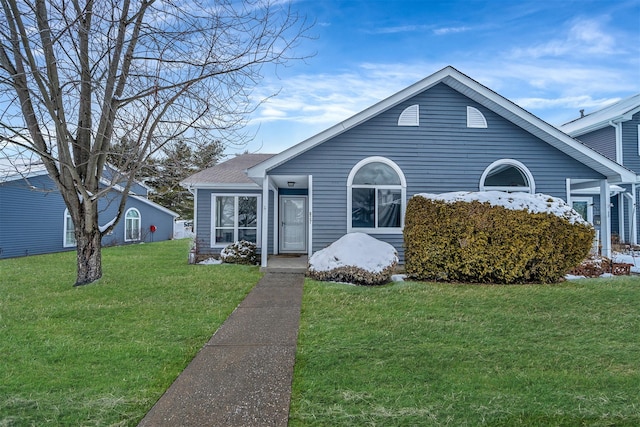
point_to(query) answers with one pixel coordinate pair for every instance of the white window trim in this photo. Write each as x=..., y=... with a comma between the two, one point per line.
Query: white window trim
x=403, y=196
x=511, y=162
x=589, y=201
x=139, y=219
x=65, y=243
x=212, y=242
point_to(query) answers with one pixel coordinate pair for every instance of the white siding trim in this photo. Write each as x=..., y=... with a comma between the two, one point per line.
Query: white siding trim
x=410, y=116
x=475, y=119
x=638, y=140
x=310, y=213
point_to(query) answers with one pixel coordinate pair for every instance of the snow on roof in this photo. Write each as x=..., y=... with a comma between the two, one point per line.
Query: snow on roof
x=11, y=170
x=534, y=203
x=231, y=171
x=621, y=111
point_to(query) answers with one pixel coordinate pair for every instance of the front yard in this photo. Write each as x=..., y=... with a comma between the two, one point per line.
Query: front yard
x=102, y=354
x=397, y=355
x=412, y=354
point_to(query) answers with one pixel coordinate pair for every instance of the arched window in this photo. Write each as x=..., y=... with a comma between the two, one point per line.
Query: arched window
x=69, y=231
x=376, y=194
x=507, y=175
x=132, y=225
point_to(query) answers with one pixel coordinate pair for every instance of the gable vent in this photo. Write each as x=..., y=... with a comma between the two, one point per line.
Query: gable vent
x=410, y=116
x=475, y=119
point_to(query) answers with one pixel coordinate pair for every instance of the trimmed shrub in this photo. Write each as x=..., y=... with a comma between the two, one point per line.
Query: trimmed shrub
x=241, y=252
x=480, y=243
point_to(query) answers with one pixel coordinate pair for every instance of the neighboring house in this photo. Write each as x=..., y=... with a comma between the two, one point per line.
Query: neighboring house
x=445, y=133
x=614, y=131
x=34, y=219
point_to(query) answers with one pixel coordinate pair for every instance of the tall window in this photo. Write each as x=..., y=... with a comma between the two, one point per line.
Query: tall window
x=235, y=217
x=507, y=175
x=132, y=225
x=69, y=230
x=376, y=192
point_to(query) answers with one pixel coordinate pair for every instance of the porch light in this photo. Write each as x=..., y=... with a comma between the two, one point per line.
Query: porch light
x=291, y=183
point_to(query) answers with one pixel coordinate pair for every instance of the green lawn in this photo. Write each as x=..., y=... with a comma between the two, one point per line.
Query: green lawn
x=399, y=355
x=421, y=354
x=102, y=354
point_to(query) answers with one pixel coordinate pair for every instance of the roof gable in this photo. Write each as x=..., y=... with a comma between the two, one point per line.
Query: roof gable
x=480, y=94
x=620, y=111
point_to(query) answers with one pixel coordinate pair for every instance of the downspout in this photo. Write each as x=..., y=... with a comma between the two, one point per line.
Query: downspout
x=634, y=218
x=605, y=218
x=618, y=130
x=632, y=214
x=265, y=222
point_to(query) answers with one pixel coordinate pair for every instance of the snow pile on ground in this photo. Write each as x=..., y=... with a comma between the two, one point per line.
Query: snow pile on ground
x=210, y=261
x=633, y=259
x=354, y=258
x=534, y=203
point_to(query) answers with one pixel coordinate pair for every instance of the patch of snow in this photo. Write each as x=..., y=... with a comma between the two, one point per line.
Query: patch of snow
x=102, y=228
x=356, y=250
x=607, y=275
x=534, y=203
x=210, y=261
x=572, y=277
x=628, y=259
x=398, y=277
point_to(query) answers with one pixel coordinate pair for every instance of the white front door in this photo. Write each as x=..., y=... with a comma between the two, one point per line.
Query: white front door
x=293, y=224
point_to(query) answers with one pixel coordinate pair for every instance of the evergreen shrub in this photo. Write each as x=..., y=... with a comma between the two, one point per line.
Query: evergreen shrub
x=242, y=252
x=480, y=243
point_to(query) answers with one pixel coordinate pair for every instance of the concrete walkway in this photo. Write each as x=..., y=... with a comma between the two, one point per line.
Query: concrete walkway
x=242, y=376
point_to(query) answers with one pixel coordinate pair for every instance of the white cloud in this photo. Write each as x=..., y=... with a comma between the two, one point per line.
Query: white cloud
x=584, y=37
x=450, y=30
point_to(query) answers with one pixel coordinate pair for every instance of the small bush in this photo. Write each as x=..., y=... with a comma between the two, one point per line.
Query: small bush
x=479, y=243
x=242, y=252
x=355, y=258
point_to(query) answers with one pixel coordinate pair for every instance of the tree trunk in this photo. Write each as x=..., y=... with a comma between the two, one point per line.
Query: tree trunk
x=89, y=250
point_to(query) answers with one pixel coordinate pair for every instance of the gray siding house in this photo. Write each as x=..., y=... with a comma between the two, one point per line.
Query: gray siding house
x=34, y=219
x=445, y=133
x=614, y=131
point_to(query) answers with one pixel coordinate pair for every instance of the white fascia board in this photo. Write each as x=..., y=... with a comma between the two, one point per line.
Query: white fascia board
x=214, y=186
x=602, y=118
x=18, y=176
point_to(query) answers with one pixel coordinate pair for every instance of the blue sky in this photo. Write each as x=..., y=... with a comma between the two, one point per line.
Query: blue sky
x=551, y=57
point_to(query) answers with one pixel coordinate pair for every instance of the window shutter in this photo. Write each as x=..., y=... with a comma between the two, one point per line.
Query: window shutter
x=410, y=116
x=475, y=119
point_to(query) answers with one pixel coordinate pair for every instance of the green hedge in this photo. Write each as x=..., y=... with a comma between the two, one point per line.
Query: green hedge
x=479, y=243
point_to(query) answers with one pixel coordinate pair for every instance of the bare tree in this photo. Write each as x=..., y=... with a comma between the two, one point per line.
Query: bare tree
x=76, y=75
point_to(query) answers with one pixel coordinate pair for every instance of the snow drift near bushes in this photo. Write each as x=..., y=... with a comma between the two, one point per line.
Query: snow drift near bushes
x=354, y=258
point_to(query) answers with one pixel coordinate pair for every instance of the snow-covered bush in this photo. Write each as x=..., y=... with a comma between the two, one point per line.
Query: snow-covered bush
x=493, y=237
x=355, y=258
x=242, y=252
